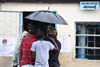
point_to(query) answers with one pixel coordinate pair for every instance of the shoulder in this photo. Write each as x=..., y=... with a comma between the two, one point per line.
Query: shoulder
x=59, y=44
x=25, y=38
x=36, y=42
x=30, y=37
x=47, y=41
x=58, y=41
x=33, y=36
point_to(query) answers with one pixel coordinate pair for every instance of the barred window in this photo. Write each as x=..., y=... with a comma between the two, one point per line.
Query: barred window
x=88, y=41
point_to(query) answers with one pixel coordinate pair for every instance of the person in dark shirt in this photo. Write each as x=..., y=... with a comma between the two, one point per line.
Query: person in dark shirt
x=53, y=55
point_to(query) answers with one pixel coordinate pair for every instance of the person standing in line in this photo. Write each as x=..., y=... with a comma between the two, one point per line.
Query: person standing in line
x=40, y=50
x=53, y=56
x=16, y=50
x=25, y=58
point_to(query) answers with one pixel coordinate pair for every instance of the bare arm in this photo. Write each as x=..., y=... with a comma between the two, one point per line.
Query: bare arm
x=54, y=43
x=33, y=55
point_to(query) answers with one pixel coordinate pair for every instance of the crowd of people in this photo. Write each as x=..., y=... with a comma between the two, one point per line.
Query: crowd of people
x=39, y=49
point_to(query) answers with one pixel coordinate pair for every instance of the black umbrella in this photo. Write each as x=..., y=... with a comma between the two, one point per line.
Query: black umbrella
x=46, y=16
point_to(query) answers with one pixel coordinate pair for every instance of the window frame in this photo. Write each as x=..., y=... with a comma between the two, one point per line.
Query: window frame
x=85, y=35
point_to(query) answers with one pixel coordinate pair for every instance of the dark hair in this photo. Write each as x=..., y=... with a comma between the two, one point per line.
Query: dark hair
x=32, y=30
x=39, y=34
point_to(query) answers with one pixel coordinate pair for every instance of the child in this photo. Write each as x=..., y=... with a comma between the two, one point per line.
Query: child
x=40, y=50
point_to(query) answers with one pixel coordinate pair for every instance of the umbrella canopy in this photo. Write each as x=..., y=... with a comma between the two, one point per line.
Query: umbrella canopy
x=46, y=16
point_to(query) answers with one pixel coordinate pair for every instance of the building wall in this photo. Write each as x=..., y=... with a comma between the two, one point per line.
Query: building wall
x=71, y=13
x=9, y=30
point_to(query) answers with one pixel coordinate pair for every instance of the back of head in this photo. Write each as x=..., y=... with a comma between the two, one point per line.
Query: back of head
x=31, y=29
x=39, y=34
x=25, y=34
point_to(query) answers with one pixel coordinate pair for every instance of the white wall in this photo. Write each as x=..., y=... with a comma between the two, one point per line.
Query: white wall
x=9, y=30
x=9, y=22
x=71, y=13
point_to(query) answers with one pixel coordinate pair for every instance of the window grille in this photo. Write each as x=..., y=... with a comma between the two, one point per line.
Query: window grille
x=88, y=41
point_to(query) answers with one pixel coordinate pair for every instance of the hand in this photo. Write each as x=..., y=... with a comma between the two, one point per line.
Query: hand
x=50, y=38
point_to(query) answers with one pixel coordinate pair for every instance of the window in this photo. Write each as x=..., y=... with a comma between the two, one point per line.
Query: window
x=88, y=41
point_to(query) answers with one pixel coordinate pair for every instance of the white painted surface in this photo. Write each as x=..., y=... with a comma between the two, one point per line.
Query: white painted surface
x=71, y=13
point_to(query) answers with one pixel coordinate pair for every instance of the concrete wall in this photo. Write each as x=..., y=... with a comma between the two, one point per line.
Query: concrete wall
x=71, y=13
x=9, y=28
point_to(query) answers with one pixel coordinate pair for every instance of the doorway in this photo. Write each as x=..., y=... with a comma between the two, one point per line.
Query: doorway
x=41, y=25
